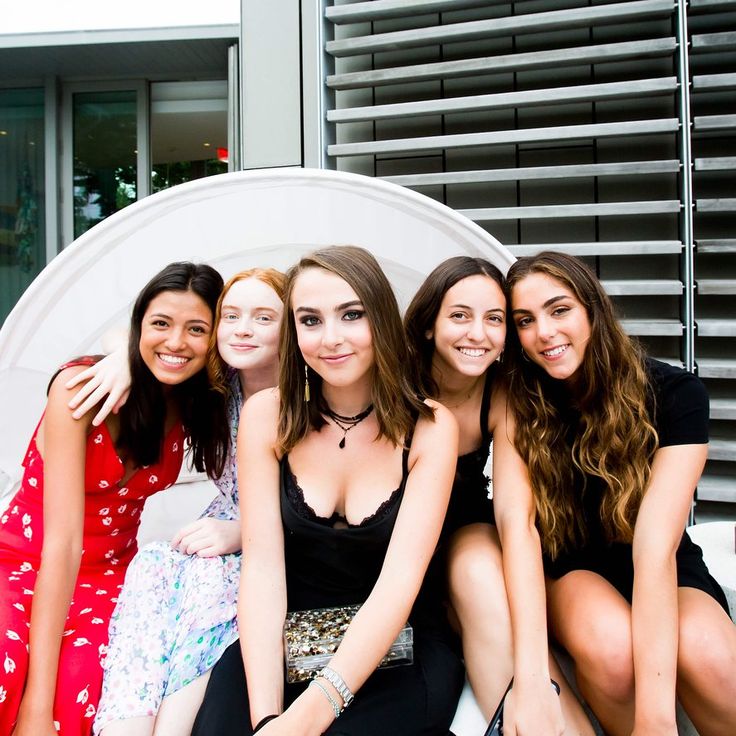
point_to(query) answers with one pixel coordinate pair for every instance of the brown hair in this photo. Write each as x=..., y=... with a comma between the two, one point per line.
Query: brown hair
x=216, y=366
x=395, y=404
x=422, y=313
x=616, y=438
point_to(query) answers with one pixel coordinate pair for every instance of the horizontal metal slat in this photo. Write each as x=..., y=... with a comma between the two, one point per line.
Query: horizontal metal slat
x=717, y=286
x=643, y=287
x=383, y=9
x=714, y=82
x=713, y=41
x=716, y=327
x=723, y=409
x=499, y=137
x=719, y=163
x=717, y=488
x=611, y=248
x=496, y=214
x=504, y=100
x=722, y=204
x=652, y=327
x=587, y=16
x=722, y=449
x=712, y=4
x=714, y=122
x=504, y=63
x=720, y=245
x=569, y=171
x=716, y=368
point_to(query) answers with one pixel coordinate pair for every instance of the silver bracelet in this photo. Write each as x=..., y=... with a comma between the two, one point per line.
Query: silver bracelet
x=335, y=707
x=339, y=684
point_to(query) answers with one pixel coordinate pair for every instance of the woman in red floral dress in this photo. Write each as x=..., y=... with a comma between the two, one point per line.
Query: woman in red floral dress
x=68, y=535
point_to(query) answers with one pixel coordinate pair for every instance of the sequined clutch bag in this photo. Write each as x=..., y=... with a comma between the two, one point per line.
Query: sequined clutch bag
x=311, y=638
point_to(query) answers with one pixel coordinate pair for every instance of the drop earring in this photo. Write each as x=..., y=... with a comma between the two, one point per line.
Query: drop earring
x=306, y=384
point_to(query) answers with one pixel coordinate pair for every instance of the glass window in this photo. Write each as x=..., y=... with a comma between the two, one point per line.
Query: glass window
x=22, y=218
x=105, y=152
x=188, y=131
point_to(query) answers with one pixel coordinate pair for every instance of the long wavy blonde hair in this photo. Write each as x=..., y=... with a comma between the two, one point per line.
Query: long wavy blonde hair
x=615, y=439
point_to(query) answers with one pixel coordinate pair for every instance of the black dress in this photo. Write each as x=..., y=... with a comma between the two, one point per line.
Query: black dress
x=334, y=566
x=469, y=501
x=680, y=418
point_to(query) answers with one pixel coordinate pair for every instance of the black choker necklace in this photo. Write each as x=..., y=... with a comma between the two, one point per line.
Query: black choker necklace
x=347, y=423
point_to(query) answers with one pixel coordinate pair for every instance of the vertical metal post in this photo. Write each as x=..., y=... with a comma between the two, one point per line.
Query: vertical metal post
x=326, y=66
x=234, y=128
x=686, y=196
x=686, y=187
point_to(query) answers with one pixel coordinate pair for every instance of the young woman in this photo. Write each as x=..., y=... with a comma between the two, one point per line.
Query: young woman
x=456, y=329
x=615, y=444
x=345, y=477
x=176, y=613
x=69, y=533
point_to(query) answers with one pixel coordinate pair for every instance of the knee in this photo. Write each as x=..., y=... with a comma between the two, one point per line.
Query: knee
x=475, y=573
x=602, y=650
x=705, y=655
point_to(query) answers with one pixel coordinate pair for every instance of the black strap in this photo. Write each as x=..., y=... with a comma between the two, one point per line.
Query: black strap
x=264, y=721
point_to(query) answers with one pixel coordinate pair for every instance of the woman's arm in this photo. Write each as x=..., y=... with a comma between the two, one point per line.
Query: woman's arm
x=534, y=706
x=659, y=525
x=62, y=443
x=413, y=541
x=262, y=598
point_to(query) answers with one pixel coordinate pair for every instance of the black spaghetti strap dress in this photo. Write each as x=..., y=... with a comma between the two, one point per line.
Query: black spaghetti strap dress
x=329, y=565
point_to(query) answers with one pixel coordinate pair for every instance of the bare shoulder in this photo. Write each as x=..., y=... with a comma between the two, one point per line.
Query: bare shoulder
x=264, y=403
x=499, y=412
x=259, y=419
x=59, y=396
x=432, y=434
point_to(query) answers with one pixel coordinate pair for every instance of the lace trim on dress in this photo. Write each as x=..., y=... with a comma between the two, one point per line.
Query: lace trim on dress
x=295, y=494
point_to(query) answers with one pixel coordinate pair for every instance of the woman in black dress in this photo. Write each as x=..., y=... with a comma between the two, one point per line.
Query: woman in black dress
x=615, y=444
x=344, y=482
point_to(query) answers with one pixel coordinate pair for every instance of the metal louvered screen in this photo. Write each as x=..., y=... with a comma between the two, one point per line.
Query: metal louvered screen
x=604, y=129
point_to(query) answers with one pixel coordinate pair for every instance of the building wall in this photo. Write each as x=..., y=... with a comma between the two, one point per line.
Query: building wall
x=602, y=128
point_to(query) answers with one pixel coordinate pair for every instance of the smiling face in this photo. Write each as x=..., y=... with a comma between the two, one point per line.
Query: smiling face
x=175, y=331
x=553, y=325
x=248, y=332
x=332, y=329
x=470, y=328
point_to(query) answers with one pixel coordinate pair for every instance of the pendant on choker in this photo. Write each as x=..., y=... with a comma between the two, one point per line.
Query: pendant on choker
x=347, y=423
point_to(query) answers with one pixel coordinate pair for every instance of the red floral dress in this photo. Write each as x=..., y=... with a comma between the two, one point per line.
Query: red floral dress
x=111, y=518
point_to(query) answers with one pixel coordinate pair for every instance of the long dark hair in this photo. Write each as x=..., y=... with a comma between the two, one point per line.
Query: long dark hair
x=395, y=403
x=615, y=440
x=422, y=313
x=202, y=409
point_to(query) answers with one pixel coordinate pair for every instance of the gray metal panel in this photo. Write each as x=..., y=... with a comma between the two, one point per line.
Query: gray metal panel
x=712, y=4
x=619, y=248
x=380, y=9
x=720, y=449
x=551, y=96
x=717, y=488
x=504, y=63
x=723, y=408
x=492, y=214
x=624, y=168
x=499, y=137
x=714, y=122
x=643, y=287
x=721, y=163
x=716, y=368
x=713, y=81
x=716, y=327
x=652, y=327
x=714, y=41
x=716, y=205
x=723, y=245
x=495, y=27
x=717, y=286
